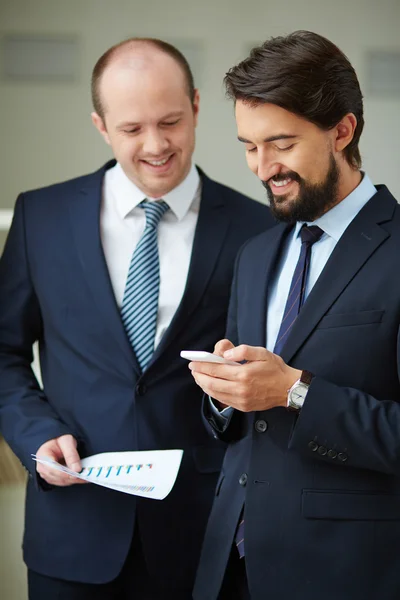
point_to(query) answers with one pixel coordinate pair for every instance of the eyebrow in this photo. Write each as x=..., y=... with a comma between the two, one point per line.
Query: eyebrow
x=273, y=138
x=177, y=113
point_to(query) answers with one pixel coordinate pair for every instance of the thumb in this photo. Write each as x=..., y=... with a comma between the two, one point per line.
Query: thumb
x=67, y=445
x=247, y=353
x=222, y=346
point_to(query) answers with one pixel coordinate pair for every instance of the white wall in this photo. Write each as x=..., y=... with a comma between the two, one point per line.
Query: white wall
x=46, y=134
x=45, y=128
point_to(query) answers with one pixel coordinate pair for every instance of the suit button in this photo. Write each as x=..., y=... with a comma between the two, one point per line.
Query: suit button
x=332, y=454
x=342, y=456
x=322, y=450
x=141, y=389
x=261, y=426
x=243, y=479
x=313, y=446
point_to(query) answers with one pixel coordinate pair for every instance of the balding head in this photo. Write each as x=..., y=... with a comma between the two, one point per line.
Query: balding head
x=139, y=54
x=146, y=111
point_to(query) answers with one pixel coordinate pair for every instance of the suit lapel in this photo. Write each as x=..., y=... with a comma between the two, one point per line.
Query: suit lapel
x=85, y=221
x=360, y=240
x=256, y=302
x=211, y=230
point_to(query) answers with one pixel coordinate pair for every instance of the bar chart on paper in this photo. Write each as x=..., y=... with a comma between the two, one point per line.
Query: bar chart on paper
x=150, y=474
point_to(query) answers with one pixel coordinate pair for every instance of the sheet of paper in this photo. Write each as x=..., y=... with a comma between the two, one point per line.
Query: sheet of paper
x=150, y=474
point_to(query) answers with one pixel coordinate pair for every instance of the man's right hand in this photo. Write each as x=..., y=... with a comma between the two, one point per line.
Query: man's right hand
x=62, y=450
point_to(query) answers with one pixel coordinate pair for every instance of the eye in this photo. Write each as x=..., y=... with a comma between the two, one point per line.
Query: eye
x=171, y=123
x=286, y=148
x=251, y=149
x=131, y=131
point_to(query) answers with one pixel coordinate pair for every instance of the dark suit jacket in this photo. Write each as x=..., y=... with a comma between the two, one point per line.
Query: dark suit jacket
x=321, y=489
x=55, y=288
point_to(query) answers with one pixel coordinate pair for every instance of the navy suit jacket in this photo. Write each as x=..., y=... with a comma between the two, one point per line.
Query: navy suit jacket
x=321, y=488
x=55, y=288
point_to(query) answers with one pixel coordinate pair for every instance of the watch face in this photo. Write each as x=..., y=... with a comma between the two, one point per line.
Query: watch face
x=297, y=395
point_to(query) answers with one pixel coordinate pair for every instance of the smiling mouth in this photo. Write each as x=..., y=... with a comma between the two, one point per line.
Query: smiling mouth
x=281, y=186
x=158, y=163
x=281, y=182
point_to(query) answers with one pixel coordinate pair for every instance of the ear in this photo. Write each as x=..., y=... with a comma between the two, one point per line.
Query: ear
x=100, y=126
x=344, y=132
x=196, y=106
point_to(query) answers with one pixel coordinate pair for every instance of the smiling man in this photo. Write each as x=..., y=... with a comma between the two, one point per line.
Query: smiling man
x=307, y=504
x=114, y=273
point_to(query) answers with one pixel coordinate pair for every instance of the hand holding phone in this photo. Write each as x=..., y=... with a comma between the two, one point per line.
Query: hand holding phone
x=200, y=356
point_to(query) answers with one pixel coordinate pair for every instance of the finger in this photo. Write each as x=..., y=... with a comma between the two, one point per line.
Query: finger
x=76, y=480
x=58, y=478
x=225, y=398
x=53, y=477
x=214, y=386
x=217, y=370
x=67, y=444
x=249, y=353
x=222, y=346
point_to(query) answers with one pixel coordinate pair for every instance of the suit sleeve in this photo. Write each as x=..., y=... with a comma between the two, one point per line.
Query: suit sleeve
x=227, y=429
x=349, y=428
x=27, y=419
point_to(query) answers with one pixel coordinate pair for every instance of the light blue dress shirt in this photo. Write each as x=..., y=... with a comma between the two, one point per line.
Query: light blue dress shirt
x=333, y=223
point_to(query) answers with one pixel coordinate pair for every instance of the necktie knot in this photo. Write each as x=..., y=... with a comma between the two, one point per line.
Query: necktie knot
x=310, y=234
x=154, y=211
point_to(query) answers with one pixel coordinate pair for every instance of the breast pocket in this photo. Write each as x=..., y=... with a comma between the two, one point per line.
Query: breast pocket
x=353, y=319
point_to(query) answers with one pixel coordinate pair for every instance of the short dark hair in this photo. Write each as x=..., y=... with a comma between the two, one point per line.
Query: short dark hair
x=305, y=74
x=107, y=57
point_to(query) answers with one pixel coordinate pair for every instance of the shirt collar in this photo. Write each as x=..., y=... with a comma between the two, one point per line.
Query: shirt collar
x=335, y=221
x=127, y=194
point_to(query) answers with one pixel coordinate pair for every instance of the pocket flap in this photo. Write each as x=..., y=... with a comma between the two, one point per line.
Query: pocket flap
x=358, y=506
x=364, y=317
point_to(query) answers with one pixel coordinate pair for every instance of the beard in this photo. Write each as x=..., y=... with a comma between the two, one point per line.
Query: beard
x=312, y=201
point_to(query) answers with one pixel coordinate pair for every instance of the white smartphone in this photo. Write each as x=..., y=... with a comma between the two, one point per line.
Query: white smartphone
x=198, y=355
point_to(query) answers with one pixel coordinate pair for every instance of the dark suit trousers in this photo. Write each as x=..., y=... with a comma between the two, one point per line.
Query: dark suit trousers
x=133, y=583
x=234, y=586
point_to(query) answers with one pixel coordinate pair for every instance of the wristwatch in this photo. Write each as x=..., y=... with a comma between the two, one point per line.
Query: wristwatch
x=298, y=392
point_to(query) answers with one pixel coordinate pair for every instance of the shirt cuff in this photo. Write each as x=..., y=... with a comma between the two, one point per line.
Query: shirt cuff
x=220, y=416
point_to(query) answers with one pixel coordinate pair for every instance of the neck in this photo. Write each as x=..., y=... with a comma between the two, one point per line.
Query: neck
x=349, y=180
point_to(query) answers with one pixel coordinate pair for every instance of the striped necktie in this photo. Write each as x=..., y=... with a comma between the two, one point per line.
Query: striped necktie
x=140, y=302
x=294, y=302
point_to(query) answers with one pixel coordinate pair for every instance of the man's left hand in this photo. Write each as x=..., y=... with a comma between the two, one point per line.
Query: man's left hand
x=259, y=384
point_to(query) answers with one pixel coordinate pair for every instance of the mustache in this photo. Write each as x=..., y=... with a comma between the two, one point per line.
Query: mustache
x=281, y=176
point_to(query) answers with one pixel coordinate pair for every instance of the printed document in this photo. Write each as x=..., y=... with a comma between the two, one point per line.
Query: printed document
x=150, y=474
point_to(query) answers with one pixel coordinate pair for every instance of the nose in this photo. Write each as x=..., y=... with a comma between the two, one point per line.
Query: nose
x=267, y=166
x=155, y=143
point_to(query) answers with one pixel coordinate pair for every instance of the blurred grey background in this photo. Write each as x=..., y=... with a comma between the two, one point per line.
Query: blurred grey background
x=47, y=51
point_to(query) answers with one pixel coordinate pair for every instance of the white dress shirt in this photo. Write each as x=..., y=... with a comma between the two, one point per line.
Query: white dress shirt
x=122, y=223
x=333, y=223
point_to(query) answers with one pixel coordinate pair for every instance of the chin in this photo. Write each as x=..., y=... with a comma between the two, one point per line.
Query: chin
x=284, y=204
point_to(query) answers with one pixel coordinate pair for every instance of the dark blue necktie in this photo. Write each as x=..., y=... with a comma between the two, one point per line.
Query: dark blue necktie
x=294, y=302
x=295, y=299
